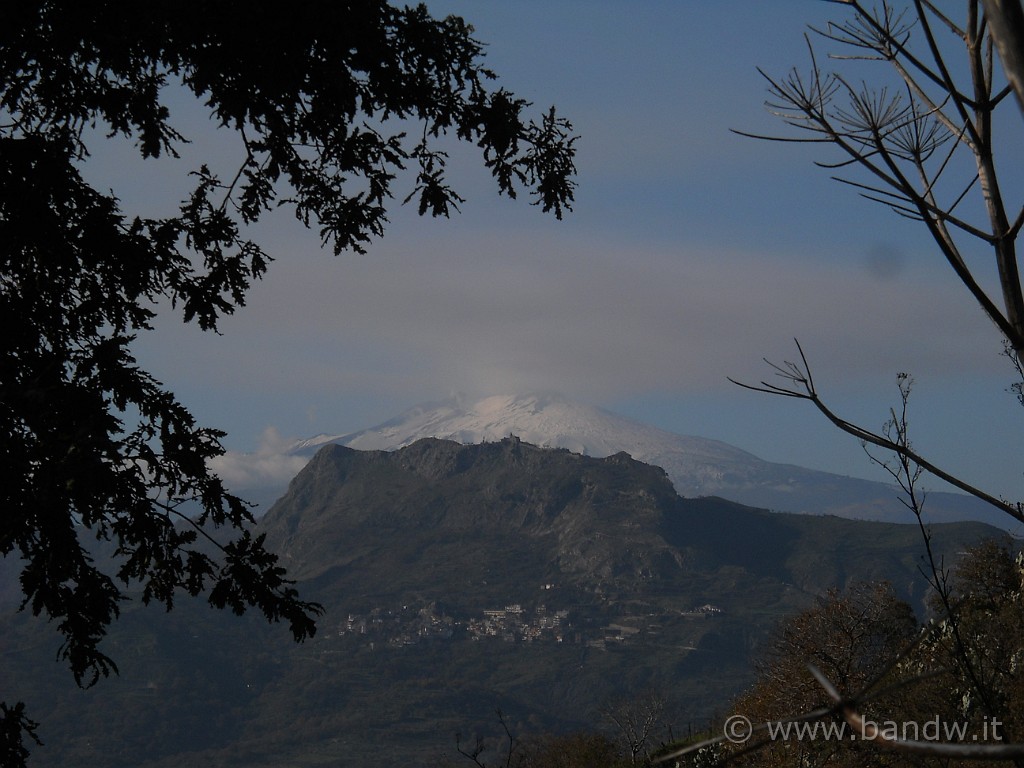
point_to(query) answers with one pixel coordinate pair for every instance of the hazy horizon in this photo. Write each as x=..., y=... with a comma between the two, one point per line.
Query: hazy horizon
x=692, y=254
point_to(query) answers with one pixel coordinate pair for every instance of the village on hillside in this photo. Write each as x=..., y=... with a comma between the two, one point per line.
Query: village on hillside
x=514, y=623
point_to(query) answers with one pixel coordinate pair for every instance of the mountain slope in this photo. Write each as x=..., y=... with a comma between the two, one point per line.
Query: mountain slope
x=459, y=579
x=609, y=525
x=697, y=466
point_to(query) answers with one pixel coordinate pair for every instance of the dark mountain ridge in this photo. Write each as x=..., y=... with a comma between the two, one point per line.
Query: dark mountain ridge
x=457, y=579
x=697, y=466
x=368, y=521
x=593, y=518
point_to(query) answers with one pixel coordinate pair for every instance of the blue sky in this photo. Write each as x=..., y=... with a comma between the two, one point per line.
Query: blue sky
x=692, y=254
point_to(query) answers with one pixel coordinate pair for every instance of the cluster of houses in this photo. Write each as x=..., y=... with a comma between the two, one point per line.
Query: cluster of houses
x=514, y=624
x=408, y=625
x=405, y=626
x=411, y=625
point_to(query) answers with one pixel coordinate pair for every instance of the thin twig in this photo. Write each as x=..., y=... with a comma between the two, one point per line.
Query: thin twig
x=801, y=386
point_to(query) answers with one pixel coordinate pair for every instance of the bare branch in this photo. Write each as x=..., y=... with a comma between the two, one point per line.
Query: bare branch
x=884, y=133
x=1006, y=22
x=800, y=385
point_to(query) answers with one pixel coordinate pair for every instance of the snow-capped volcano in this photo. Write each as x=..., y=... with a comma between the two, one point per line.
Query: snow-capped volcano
x=547, y=420
x=697, y=466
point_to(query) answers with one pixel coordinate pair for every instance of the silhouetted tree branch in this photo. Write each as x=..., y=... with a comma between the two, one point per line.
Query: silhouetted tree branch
x=799, y=384
x=480, y=745
x=636, y=718
x=923, y=139
x=320, y=98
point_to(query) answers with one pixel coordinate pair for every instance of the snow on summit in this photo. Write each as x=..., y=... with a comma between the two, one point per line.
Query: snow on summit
x=697, y=466
x=547, y=420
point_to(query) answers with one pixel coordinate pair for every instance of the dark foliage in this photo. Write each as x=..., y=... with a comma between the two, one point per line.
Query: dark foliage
x=960, y=669
x=92, y=445
x=15, y=730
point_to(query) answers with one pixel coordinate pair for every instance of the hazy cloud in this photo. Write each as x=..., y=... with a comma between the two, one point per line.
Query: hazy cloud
x=589, y=319
x=692, y=254
x=270, y=465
